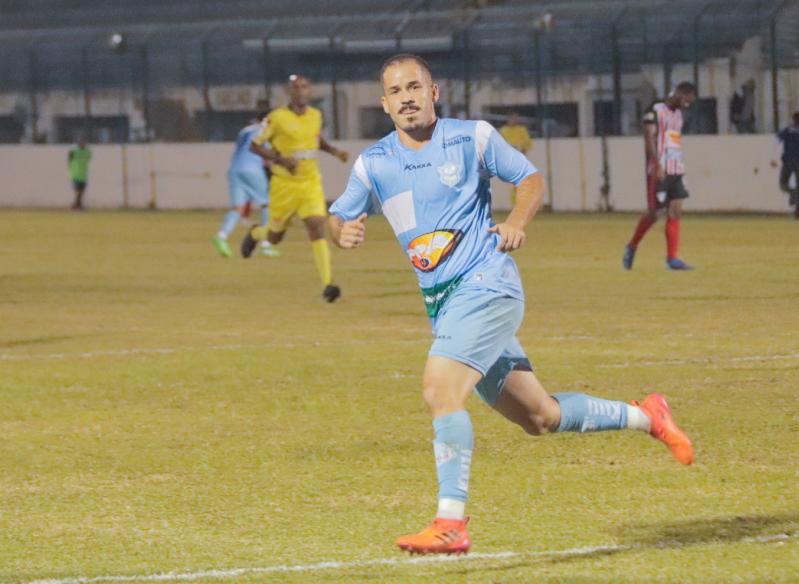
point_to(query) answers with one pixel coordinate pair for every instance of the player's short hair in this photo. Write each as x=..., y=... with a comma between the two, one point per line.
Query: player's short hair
x=401, y=58
x=685, y=87
x=796, y=117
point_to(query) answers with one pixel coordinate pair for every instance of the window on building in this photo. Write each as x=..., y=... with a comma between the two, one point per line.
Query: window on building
x=11, y=129
x=374, y=123
x=98, y=129
x=702, y=117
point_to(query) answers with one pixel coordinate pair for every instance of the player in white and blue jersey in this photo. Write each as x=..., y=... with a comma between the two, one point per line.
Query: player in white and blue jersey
x=431, y=177
x=247, y=186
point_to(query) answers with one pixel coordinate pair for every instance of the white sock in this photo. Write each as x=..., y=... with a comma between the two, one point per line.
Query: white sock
x=451, y=509
x=265, y=243
x=637, y=419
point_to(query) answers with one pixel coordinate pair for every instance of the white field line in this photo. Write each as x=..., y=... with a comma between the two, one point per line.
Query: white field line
x=701, y=361
x=398, y=561
x=182, y=349
x=292, y=345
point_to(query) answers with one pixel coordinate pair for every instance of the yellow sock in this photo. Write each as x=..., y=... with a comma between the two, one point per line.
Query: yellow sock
x=321, y=255
x=259, y=233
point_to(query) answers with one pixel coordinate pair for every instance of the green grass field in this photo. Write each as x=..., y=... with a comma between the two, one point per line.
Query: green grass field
x=166, y=410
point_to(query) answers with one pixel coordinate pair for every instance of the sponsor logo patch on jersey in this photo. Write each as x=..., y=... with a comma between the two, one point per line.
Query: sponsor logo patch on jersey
x=673, y=139
x=430, y=250
x=456, y=140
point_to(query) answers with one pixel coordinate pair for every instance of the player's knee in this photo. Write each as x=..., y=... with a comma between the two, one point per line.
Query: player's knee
x=440, y=399
x=315, y=227
x=538, y=424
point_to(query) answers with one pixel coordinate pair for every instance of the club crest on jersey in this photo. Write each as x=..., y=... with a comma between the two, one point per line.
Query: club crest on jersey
x=430, y=250
x=450, y=173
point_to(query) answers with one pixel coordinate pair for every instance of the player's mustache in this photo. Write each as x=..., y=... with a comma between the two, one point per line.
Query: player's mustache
x=409, y=108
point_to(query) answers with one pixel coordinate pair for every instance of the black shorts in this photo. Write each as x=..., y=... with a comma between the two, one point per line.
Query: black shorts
x=669, y=189
x=79, y=184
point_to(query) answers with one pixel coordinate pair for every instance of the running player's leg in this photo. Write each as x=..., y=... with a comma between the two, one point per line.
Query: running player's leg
x=524, y=401
x=470, y=332
x=283, y=204
x=257, y=197
x=237, y=189
x=446, y=385
x=645, y=222
x=312, y=210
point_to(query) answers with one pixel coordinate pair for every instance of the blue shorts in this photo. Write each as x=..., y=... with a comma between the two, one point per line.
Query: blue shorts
x=248, y=185
x=478, y=327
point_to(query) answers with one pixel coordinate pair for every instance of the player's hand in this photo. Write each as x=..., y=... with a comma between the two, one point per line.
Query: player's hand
x=353, y=232
x=288, y=163
x=342, y=155
x=511, y=237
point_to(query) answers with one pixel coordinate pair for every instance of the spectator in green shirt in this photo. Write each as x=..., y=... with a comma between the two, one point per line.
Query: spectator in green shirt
x=78, y=163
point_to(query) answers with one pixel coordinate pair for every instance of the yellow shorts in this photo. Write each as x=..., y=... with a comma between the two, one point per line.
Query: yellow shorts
x=293, y=196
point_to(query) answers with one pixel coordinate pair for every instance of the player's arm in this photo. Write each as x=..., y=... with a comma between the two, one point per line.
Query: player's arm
x=272, y=155
x=326, y=146
x=529, y=196
x=651, y=144
x=348, y=234
x=500, y=159
x=258, y=146
x=348, y=214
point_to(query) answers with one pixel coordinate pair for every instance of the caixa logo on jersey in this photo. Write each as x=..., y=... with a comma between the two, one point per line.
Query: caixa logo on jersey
x=430, y=250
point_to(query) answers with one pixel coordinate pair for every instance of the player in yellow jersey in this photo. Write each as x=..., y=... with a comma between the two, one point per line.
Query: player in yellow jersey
x=294, y=135
x=516, y=134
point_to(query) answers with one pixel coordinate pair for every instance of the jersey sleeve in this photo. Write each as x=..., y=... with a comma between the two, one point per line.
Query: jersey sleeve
x=357, y=198
x=500, y=159
x=267, y=130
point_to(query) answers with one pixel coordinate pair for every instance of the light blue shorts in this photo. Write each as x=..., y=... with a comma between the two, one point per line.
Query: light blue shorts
x=248, y=185
x=478, y=327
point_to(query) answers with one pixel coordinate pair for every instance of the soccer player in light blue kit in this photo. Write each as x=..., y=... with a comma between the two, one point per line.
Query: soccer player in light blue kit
x=431, y=179
x=247, y=183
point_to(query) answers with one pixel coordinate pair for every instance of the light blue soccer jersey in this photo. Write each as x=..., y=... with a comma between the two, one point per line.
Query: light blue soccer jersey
x=243, y=159
x=438, y=202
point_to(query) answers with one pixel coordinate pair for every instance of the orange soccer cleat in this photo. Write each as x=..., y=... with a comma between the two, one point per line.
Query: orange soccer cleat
x=444, y=536
x=663, y=427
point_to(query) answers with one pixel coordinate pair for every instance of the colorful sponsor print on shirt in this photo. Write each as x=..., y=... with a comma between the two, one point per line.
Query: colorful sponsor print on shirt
x=430, y=250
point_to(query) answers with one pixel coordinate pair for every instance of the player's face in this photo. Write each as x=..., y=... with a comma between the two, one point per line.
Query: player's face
x=687, y=99
x=409, y=95
x=300, y=91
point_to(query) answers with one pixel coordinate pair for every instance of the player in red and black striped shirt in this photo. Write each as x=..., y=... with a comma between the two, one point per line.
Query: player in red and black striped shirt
x=665, y=187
